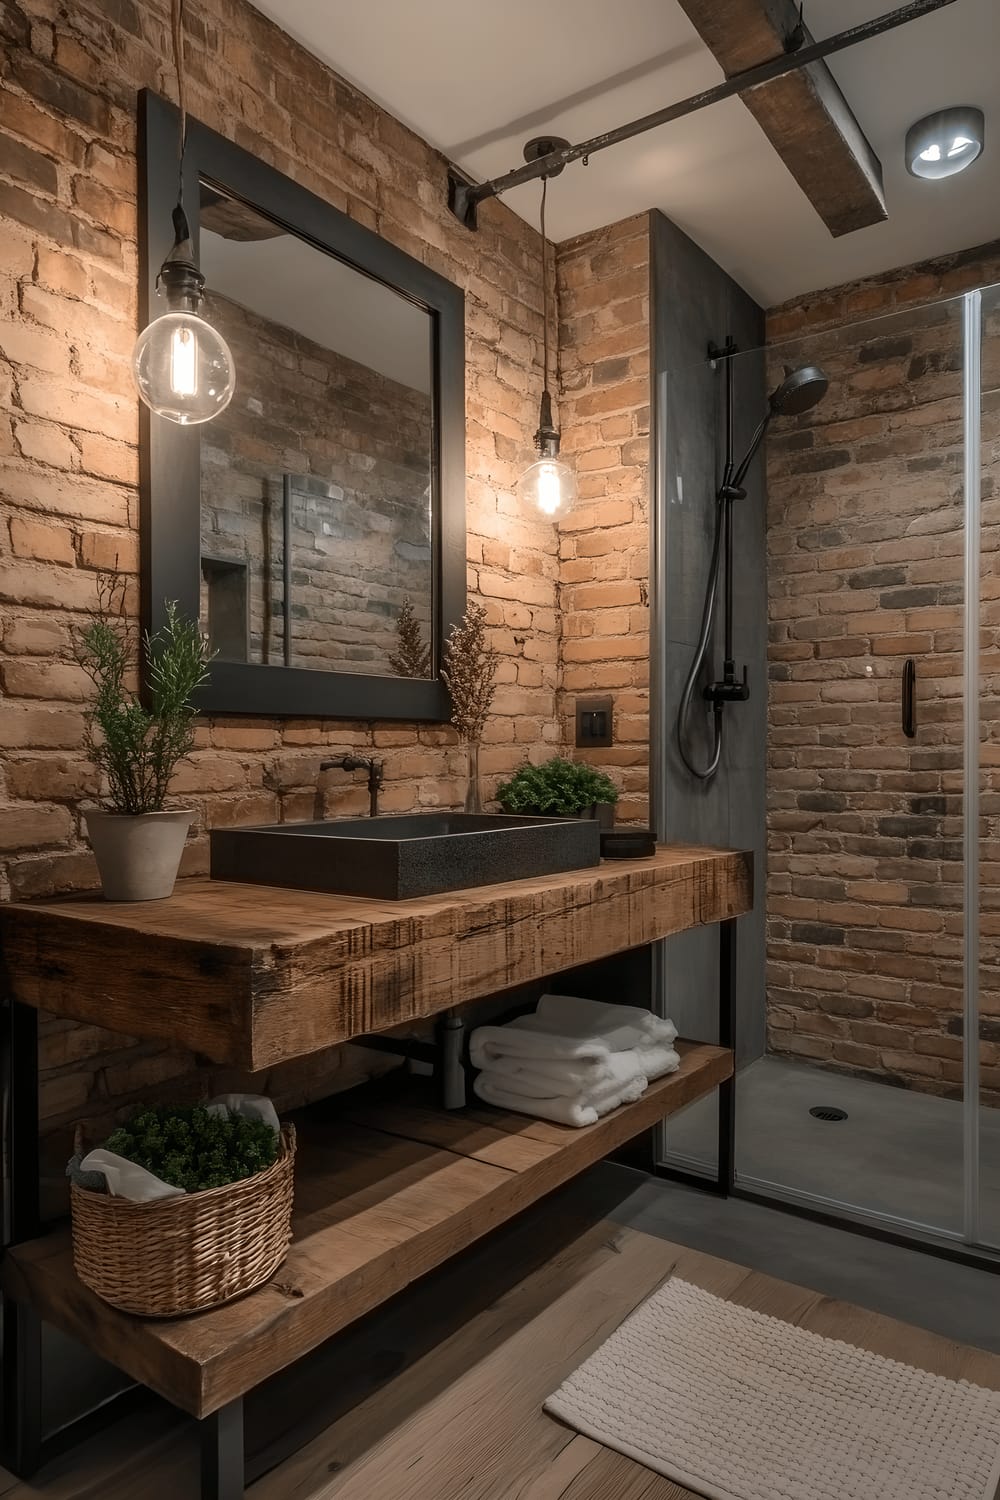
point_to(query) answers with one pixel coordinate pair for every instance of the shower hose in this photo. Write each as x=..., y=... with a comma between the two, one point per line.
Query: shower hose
x=704, y=773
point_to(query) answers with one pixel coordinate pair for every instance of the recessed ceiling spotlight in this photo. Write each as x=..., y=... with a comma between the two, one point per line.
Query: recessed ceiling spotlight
x=946, y=142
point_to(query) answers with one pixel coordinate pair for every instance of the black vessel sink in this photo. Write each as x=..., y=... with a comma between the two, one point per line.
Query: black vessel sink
x=394, y=858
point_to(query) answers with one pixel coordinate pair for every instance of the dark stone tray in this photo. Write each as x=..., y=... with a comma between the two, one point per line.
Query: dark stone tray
x=395, y=858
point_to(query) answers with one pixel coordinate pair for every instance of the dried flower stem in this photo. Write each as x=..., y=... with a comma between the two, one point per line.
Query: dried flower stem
x=469, y=672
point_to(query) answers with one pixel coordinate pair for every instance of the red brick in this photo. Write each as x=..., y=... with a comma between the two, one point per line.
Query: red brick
x=32, y=828
x=46, y=444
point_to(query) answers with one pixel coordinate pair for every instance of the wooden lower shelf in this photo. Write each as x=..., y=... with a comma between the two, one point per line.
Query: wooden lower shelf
x=384, y=1192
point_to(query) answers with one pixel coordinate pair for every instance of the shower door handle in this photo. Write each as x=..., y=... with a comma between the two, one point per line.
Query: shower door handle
x=910, y=698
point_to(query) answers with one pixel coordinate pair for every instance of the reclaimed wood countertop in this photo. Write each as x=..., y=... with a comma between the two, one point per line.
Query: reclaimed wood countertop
x=254, y=975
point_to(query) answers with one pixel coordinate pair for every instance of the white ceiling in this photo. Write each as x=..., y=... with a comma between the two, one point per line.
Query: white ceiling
x=478, y=79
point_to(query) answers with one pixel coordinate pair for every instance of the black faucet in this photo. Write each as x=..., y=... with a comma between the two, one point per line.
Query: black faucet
x=374, y=767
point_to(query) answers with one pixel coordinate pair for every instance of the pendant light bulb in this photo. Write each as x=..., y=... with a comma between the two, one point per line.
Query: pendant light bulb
x=549, y=484
x=183, y=369
x=182, y=366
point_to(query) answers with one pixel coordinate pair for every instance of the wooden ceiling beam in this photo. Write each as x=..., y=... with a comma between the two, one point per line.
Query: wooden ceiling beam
x=804, y=114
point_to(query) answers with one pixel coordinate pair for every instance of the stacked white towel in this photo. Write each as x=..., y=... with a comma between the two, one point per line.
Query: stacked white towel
x=572, y=1060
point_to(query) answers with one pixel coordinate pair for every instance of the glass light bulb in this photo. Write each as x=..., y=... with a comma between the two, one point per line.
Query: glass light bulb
x=183, y=368
x=549, y=486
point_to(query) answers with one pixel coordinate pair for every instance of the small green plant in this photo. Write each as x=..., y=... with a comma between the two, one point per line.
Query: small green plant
x=557, y=788
x=194, y=1150
x=138, y=748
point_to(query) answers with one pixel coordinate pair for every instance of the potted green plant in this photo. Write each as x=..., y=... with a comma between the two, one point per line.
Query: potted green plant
x=137, y=841
x=560, y=788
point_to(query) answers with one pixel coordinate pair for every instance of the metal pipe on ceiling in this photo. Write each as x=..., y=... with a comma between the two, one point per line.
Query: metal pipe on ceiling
x=465, y=196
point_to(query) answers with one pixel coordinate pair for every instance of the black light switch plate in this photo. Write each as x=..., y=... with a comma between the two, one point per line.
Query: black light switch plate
x=595, y=719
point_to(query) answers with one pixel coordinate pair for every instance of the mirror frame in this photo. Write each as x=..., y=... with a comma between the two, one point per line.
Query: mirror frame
x=170, y=461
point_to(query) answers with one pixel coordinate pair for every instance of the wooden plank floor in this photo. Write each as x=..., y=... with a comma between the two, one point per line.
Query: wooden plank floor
x=438, y=1395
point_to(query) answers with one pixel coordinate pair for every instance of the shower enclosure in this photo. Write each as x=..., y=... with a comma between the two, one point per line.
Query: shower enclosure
x=861, y=768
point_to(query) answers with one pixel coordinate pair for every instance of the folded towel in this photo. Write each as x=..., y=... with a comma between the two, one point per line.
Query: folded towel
x=569, y=1076
x=569, y=1015
x=562, y=1036
x=518, y=1040
x=540, y=1082
x=564, y=1111
x=658, y=1059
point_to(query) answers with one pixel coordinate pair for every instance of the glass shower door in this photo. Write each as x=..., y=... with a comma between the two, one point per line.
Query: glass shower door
x=859, y=1095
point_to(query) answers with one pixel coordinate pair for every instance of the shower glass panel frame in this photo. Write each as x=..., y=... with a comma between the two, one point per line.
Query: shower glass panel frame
x=983, y=1159
x=951, y=704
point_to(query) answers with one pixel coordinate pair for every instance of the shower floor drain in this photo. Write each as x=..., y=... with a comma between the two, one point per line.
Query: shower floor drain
x=828, y=1112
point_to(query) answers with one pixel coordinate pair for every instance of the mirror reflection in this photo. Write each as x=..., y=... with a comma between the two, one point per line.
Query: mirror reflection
x=317, y=479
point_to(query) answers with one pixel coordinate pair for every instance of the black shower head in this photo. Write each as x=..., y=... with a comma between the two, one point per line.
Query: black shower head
x=800, y=390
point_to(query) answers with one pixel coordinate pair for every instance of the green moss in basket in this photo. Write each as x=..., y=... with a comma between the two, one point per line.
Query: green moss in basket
x=558, y=788
x=194, y=1150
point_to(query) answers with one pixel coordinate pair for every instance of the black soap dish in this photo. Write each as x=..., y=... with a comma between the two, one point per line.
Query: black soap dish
x=627, y=843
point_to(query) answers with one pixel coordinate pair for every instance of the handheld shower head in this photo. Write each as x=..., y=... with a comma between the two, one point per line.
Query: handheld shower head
x=799, y=391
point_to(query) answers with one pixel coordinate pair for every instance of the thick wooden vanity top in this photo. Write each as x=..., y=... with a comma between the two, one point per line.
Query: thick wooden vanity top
x=252, y=975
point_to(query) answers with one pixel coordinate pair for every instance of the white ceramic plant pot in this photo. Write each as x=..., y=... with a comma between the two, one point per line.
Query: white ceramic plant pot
x=138, y=856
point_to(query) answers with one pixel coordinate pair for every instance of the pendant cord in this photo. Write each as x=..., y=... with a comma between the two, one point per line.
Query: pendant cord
x=177, y=32
x=545, y=290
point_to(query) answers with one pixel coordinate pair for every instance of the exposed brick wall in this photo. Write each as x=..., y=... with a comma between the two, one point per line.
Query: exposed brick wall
x=68, y=433
x=604, y=349
x=358, y=448
x=865, y=538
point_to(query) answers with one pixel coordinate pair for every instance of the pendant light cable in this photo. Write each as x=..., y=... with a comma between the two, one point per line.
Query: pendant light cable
x=182, y=366
x=548, y=483
x=545, y=290
x=177, y=34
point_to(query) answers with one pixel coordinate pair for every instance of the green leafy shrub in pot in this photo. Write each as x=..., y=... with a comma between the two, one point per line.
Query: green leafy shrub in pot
x=557, y=788
x=137, y=745
x=194, y=1149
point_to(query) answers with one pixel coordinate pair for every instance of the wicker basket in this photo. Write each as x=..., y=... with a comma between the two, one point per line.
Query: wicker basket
x=181, y=1255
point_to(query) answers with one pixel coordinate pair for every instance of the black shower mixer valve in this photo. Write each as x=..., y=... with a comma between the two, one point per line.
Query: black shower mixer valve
x=729, y=690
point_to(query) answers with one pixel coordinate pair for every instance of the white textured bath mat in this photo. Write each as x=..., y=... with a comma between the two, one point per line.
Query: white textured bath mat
x=737, y=1405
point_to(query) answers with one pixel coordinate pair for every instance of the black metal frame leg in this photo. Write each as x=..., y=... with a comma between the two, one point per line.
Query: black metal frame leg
x=19, y=1082
x=222, y=1453
x=21, y=1437
x=727, y=1038
x=21, y=1440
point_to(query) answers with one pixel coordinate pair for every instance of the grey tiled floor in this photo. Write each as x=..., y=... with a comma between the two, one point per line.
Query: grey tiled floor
x=958, y=1301
x=898, y=1152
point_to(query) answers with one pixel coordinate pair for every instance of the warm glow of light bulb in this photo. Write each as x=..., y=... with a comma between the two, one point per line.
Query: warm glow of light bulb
x=183, y=368
x=548, y=486
x=549, y=489
x=183, y=361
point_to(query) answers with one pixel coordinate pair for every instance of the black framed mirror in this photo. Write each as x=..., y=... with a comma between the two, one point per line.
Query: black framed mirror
x=328, y=499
